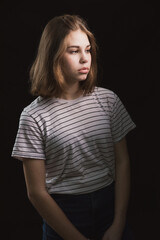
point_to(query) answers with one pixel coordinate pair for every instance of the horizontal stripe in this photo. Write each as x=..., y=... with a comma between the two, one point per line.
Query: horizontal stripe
x=75, y=138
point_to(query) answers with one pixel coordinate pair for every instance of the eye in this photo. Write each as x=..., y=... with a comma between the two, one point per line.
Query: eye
x=88, y=50
x=74, y=51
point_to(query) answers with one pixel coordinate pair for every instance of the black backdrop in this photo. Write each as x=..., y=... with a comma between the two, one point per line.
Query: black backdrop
x=128, y=35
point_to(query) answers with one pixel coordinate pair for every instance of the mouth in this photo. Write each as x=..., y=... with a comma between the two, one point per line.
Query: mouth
x=83, y=70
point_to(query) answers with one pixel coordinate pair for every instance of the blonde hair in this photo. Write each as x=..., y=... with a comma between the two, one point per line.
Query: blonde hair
x=46, y=74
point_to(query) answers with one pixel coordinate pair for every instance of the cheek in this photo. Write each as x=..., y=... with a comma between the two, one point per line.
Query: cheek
x=69, y=63
x=68, y=66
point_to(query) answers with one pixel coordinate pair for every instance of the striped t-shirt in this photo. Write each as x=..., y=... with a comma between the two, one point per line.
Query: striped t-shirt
x=75, y=138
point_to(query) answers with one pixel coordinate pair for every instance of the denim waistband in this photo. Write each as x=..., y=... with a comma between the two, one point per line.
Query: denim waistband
x=106, y=189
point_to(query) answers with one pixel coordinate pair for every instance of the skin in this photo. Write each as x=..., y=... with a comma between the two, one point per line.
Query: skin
x=74, y=59
x=122, y=190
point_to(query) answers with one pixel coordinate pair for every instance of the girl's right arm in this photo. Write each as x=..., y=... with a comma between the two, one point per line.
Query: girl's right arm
x=34, y=172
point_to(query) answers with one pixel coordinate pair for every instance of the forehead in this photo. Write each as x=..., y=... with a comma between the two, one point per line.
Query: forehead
x=77, y=37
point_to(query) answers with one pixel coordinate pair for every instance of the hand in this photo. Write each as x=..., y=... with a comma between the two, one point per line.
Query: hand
x=113, y=233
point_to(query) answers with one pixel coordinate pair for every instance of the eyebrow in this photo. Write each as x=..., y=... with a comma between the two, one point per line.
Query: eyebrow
x=74, y=46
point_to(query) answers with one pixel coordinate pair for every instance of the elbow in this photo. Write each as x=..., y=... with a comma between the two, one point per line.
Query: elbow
x=35, y=196
x=32, y=195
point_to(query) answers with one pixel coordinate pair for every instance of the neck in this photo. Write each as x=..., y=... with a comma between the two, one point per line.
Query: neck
x=72, y=92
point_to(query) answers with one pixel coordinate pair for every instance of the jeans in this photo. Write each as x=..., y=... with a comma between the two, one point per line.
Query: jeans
x=92, y=214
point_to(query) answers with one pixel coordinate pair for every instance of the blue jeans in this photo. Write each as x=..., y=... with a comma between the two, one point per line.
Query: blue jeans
x=92, y=214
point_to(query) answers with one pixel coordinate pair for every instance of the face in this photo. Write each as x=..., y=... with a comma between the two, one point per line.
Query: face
x=76, y=61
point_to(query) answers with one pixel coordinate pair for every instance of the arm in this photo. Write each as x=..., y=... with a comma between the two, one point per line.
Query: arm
x=122, y=184
x=122, y=189
x=34, y=171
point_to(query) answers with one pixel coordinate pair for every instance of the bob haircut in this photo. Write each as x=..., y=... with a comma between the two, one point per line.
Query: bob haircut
x=46, y=75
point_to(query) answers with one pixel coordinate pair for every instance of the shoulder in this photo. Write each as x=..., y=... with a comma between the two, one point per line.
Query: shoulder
x=105, y=94
x=36, y=107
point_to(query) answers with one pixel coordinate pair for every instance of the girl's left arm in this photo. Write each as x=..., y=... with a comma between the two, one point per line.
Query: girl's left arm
x=122, y=181
x=122, y=191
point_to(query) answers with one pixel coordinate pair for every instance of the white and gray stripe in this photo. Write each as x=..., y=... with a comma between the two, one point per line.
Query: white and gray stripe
x=75, y=138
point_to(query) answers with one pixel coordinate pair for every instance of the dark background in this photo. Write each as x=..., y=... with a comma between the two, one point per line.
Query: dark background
x=128, y=35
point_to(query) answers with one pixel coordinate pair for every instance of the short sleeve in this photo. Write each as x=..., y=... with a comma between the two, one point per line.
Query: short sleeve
x=121, y=122
x=29, y=140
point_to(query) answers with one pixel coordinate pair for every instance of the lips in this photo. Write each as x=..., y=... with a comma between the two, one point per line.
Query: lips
x=83, y=70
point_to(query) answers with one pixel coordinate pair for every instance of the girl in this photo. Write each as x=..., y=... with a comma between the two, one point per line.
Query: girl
x=71, y=140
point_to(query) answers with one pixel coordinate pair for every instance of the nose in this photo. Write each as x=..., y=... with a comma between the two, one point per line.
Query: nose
x=83, y=58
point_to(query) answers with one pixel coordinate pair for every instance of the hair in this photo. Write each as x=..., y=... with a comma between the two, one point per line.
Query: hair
x=46, y=75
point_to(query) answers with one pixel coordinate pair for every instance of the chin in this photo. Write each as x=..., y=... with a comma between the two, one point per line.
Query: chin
x=83, y=78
